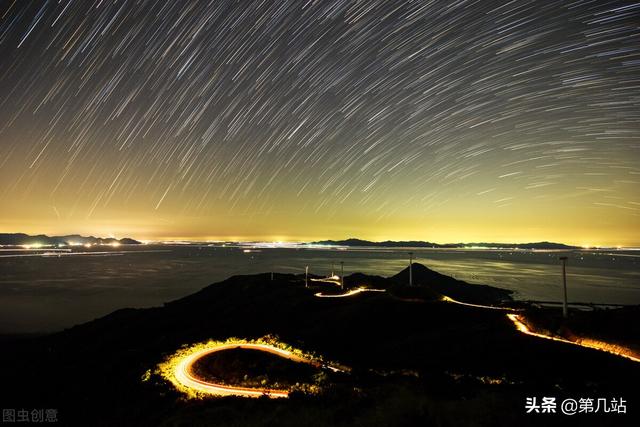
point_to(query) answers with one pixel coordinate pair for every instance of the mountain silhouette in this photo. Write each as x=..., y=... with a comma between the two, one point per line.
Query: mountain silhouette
x=422, y=244
x=459, y=290
x=18, y=239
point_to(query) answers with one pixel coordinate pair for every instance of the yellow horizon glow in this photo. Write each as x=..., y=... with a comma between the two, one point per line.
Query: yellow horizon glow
x=438, y=238
x=462, y=220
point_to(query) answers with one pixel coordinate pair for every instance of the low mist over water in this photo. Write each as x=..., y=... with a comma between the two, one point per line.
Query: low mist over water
x=47, y=293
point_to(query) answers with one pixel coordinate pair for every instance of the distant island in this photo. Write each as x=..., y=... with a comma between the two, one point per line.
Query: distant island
x=21, y=239
x=421, y=244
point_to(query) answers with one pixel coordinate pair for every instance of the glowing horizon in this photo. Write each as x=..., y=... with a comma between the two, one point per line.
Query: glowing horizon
x=584, y=243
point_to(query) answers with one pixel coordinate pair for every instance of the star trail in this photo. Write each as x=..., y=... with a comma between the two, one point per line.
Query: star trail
x=433, y=120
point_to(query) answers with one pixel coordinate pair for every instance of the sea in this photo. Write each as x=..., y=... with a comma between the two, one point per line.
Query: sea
x=46, y=290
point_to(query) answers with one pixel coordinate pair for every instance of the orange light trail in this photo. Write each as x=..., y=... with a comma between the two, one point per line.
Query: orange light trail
x=178, y=369
x=490, y=307
x=350, y=293
x=334, y=280
x=582, y=342
x=184, y=372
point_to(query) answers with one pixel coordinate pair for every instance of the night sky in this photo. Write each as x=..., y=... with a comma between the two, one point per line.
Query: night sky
x=295, y=120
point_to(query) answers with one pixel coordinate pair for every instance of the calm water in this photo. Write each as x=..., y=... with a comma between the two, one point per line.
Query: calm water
x=50, y=293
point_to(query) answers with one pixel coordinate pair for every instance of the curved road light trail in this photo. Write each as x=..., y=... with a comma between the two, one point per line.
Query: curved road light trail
x=490, y=307
x=334, y=280
x=185, y=376
x=179, y=369
x=585, y=342
x=350, y=293
x=515, y=319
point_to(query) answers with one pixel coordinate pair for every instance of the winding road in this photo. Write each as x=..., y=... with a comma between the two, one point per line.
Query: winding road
x=584, y=342
x=517, y=320
x=334, y=280
x=488, y=307
x=349, y=293
x=184, y=372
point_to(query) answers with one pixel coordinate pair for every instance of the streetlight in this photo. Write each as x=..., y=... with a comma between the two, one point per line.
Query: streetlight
x=410, y=268
x=565, y=310
x=306, y=276
x=342, y=275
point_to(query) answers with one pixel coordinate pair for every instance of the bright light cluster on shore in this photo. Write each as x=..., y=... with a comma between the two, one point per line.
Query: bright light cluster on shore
x=177, y=368
x=30, y=246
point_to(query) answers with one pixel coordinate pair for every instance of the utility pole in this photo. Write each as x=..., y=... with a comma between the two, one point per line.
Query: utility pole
x=306, y=276
x=410, y=268
x=332, y=269
x=342, y=275
x=565, y=310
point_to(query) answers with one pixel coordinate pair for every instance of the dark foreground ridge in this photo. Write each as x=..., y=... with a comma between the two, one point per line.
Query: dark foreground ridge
x=415, y=359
